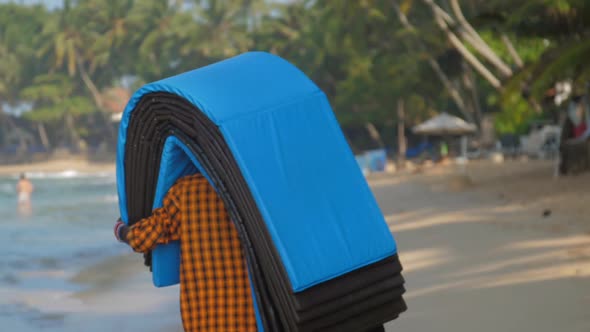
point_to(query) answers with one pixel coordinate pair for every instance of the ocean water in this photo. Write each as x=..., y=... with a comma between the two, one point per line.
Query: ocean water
x=67, y=229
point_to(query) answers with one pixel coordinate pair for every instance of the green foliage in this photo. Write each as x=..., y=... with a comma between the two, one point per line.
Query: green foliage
x=17, y=47
x=358, y=52
x=54, y=99
x=515, y=116
x=56, y=112
x=551, y=36
x=529, y=49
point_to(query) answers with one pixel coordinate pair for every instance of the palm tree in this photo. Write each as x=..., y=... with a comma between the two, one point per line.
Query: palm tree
x=565, y=26
x=84, y=41
x=66, y=43
x=159, y=31
x=108, y=32
x=223, y=28
x=56, y=103
x=9, y=73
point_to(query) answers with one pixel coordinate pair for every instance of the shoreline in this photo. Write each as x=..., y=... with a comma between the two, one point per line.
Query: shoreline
x=58, y=166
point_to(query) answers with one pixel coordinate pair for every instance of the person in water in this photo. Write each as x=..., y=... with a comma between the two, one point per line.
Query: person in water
x=215, y=294
x=24, y=190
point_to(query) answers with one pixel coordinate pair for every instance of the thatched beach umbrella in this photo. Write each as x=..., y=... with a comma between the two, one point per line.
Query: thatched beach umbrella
x=445, y=125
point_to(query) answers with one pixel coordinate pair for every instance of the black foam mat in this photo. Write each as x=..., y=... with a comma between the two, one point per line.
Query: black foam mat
x=352, y=302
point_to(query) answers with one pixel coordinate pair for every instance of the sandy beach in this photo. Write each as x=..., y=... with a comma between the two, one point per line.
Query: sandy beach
x=506, y=248
x=497, y=247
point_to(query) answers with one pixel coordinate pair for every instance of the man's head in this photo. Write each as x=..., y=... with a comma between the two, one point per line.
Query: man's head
x=23, y=176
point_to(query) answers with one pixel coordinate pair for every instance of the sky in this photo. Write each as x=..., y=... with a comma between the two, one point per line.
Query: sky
x=57, y=3
x=48, y=3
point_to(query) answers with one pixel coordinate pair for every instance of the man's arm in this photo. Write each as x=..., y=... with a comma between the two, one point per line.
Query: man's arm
x=159, y=228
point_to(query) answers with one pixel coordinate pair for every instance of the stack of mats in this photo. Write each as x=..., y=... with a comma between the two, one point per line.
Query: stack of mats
x=319, y=253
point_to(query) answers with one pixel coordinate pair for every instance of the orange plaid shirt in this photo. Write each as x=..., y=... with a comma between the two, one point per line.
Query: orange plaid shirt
x=215, y=290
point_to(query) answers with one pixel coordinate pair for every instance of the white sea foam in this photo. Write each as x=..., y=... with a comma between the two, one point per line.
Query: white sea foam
x=110, y=198
x=68, y=174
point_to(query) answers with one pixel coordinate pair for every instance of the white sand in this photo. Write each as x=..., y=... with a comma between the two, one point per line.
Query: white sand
x=483, y=257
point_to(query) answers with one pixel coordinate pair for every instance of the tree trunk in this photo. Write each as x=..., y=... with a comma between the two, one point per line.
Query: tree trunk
x=401, y=134
x=512, y=51
x=453, y=92
x=374, y=133
x=3, y=127
x=457, y=44
x=6, y=125
x=90, y=85
x=477, y=42
x=97, y=96
x=471, y=86
x=43, y=136
x=71, y=131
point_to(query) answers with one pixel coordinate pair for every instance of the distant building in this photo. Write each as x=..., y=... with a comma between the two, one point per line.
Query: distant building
x=115, y=99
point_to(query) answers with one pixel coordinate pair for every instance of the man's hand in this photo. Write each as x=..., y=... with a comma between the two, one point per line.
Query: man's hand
x=120, y=230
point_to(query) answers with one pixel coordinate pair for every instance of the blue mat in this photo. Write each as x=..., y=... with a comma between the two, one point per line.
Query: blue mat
x=297, y=163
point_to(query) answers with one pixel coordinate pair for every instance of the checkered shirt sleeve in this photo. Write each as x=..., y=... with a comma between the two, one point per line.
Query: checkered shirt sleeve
x=159, y=228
